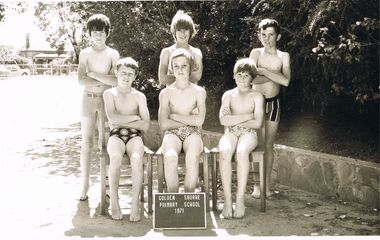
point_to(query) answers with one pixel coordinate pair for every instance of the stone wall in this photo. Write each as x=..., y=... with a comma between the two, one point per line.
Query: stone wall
x=344, y=178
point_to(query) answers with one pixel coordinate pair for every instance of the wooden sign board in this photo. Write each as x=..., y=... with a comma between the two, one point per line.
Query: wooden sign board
x=179, y=211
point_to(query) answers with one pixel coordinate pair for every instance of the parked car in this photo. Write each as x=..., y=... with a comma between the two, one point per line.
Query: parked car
x=17, y=71
x=4, y=72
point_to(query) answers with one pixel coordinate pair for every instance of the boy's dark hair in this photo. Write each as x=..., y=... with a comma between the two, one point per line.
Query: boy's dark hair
x=182, y=20
x=181, y=52
x=269, y=23
x=128, y=62
x=246, y=65
x=99, y=22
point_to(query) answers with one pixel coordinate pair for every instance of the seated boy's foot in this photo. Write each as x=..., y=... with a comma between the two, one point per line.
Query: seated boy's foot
x=256, y=192
x=116, y=214
x=227, y=210
x=240, y=208
x=135, y=215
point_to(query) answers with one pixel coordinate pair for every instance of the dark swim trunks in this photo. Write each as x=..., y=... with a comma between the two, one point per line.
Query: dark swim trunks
x=272, y=109
x=125, y=134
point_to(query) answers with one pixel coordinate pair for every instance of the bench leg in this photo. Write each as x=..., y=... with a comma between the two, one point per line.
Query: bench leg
x=206, y=181
x=103, y=183
x=160, y=173
x=214, y=179
x=150, y=185
x=262, y=183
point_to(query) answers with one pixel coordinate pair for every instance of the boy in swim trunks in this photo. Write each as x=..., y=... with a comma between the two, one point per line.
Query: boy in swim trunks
x=96, y=74
x=181, y=126
x=128, y=116
x=183, y=30
x=241, y=113
x=273, y=67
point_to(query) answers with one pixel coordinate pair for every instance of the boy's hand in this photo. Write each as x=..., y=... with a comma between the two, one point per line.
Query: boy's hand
x=261, y=71
x=226, y=111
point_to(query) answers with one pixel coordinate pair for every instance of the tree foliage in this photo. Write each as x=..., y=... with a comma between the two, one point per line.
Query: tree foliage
x=334, y=45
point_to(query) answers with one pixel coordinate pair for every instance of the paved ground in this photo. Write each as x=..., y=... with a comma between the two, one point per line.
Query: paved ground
x=40, y=179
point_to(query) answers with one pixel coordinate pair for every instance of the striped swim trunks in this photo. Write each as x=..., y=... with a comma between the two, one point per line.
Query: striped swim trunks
x=272, y=109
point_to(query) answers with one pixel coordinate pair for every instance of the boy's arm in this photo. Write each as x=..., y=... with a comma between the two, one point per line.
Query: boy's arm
x=144, y=123
x=113, y=115
x=164, y=111
x=258, y=115
x=195, y=119
x=196, y=74
x=225, y=117
x=110, y=78
x=259, y=79
x=83, y=79
x=163, y=75
x=282, y=78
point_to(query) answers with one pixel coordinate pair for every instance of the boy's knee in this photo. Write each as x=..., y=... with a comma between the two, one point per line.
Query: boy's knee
x=226, y=155
x=116, y=160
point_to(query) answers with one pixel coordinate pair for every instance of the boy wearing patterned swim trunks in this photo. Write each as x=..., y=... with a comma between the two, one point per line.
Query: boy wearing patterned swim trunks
x=96, y=74
x=273, y=67
x=128, y=116
x=181, y=126
x=241, y=113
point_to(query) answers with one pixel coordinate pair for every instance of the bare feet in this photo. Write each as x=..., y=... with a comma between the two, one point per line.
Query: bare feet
x=116, y=214
x=240, y=207
x=83, y=196
x=227, y=209
x=135, y=214
x=256, y=192
x=115, y=209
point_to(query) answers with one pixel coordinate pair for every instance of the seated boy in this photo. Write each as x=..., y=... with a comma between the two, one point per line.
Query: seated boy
x=182, y=128
x=128, y=116
x=241, y=113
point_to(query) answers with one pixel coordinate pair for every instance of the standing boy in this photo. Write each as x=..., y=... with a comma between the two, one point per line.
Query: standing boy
x=182, y=29
x=273, y=67
x=241, y=113
x=96, y=73
x=181, y=126
x=128, y=116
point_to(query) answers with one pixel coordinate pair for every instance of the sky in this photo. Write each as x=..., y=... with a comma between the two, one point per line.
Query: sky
x=13, y=29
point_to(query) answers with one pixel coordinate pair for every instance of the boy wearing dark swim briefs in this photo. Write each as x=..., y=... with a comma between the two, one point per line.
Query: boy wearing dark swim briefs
x=241, y=113
x=181, y=126
x=273, y=67
x=128, y=116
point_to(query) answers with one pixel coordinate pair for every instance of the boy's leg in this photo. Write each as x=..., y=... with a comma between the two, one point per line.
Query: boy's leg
x=171, y=147
x=135, y=151
x=193, y=147
x=245, y=146
x=116, y=150
x=227, y=146
x=261, y=137
x=87, y=129
x=270, y=135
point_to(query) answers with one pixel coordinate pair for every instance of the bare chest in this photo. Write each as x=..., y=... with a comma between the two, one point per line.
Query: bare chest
x=182, y=101
x=242, y=104
x=270, y=62
x=100, y=62
x=126, y=104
